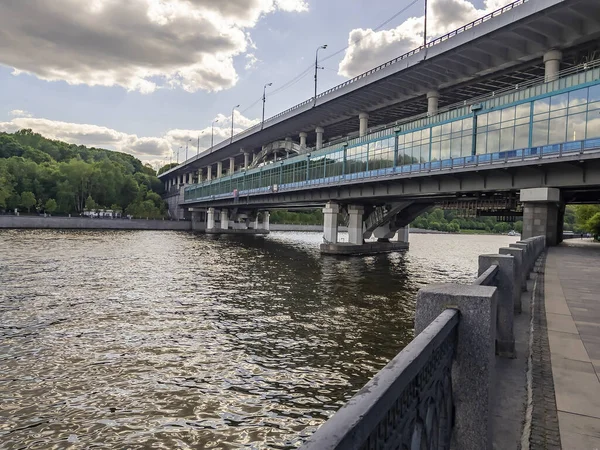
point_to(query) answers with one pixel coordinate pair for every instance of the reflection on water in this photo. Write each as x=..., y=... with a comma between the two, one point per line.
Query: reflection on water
x=173, y=340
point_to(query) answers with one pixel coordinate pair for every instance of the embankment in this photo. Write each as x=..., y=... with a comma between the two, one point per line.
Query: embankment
x=85, y=223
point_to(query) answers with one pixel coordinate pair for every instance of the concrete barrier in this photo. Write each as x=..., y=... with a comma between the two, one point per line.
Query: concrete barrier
x=85, y=223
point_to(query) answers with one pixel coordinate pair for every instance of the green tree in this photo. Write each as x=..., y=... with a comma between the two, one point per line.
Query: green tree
x=583, y=213
x=27, y=200
x=50, y=206
x=593, y=225
x=90, y=204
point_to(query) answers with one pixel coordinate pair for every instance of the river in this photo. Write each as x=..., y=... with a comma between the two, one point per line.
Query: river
x=140, y=339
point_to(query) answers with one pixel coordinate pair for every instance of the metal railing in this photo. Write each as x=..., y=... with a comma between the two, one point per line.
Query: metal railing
x=408, y=404
x=412, y=52
x=430, y=44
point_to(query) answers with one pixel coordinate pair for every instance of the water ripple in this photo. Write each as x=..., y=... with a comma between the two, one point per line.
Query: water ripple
x=173, y=340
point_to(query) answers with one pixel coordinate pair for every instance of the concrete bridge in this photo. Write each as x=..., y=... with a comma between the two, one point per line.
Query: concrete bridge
x=501, y=116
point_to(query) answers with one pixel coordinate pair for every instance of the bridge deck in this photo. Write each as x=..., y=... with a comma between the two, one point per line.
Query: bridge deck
x=572, y=300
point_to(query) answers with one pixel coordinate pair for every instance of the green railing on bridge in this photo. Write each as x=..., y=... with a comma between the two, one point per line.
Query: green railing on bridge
x=546, y=117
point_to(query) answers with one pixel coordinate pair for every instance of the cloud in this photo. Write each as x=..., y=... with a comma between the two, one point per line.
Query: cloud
x=140, y=45
x=368, y=48
x=251, y=61
x=153, y=149
x=19, y=113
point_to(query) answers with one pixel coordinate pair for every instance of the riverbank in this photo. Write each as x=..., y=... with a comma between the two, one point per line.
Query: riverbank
x=86, y=223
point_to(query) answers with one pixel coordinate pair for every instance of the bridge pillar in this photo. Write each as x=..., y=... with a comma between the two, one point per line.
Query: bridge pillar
x=231, y=165
x=266, y=224
x=209, y=173
x=433, y=98
x=166, y=185
x=363, y=119
x=319, y=131
x=189, y=178
x=552, y=60
x=330, y=222
x=355, y=224
x=219, y=169
x=402, y=234
x=199, y=175
x=224, y=219
x=541, y=213
x=303, y=137
x=246, y=160
x=210, y=218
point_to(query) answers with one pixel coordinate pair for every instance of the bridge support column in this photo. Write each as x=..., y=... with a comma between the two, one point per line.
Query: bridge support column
x=231, y=166
x=363, y=119
x=541, y=213
x=319, y=131
x=355, y=224
x=224, y=219
x=266, y=223
x=219, y=169
x=330, y=222
x=552, y=60
x=402, y=234
x=166, y=185
x=210, y=218
x=199, y=175
x=190, y=178
x=303, y=137
x=433, y=98
x=246, y=160
x=209, y=173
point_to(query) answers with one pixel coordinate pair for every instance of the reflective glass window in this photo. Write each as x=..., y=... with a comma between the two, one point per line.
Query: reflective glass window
x=558, y=101
x=541, y=106
x=593, y=124
x=558, y=129
x=576, y=127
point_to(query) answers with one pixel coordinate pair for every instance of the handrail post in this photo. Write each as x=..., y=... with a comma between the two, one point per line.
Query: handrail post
x=505, y=282
x=517, y=253
x=473, y=379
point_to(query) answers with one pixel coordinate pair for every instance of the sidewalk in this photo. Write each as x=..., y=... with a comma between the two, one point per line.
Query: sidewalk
x=572, y=301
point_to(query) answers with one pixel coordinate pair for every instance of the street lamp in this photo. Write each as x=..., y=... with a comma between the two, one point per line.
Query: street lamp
x=232, y=111
x=198, y=152
x=264, y=99
x=317, y=68
x=212, y=134
x=180, y=147
x=186, y=148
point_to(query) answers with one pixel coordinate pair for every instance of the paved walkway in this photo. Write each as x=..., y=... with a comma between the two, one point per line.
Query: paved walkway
x=572, y=300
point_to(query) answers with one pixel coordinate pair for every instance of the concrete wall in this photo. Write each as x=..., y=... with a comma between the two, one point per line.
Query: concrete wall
x=83, y=223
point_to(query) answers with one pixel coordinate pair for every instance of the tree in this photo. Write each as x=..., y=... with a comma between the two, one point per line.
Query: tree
x=50, y=206
x=90, y=204
x=27, y=200
x=583, y=213
x=593, y=225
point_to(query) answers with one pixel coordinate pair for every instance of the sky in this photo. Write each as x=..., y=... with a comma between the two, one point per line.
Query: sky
x=147, y=77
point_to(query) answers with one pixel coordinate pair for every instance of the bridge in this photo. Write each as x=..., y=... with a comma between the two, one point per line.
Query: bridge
x=500, y=117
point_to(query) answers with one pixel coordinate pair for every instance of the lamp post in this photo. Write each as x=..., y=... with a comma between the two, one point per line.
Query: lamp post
x=317, y=68
x=186, y=148
x=264, y=99
x=198, y=151
x=180, y=147
x=212, y=134
x=425, y=26
x=232, y=111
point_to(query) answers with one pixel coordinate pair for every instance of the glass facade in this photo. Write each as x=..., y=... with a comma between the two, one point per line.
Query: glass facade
x=518, y=127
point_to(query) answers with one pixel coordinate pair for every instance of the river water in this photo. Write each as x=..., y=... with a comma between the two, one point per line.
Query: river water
x=173, y=340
